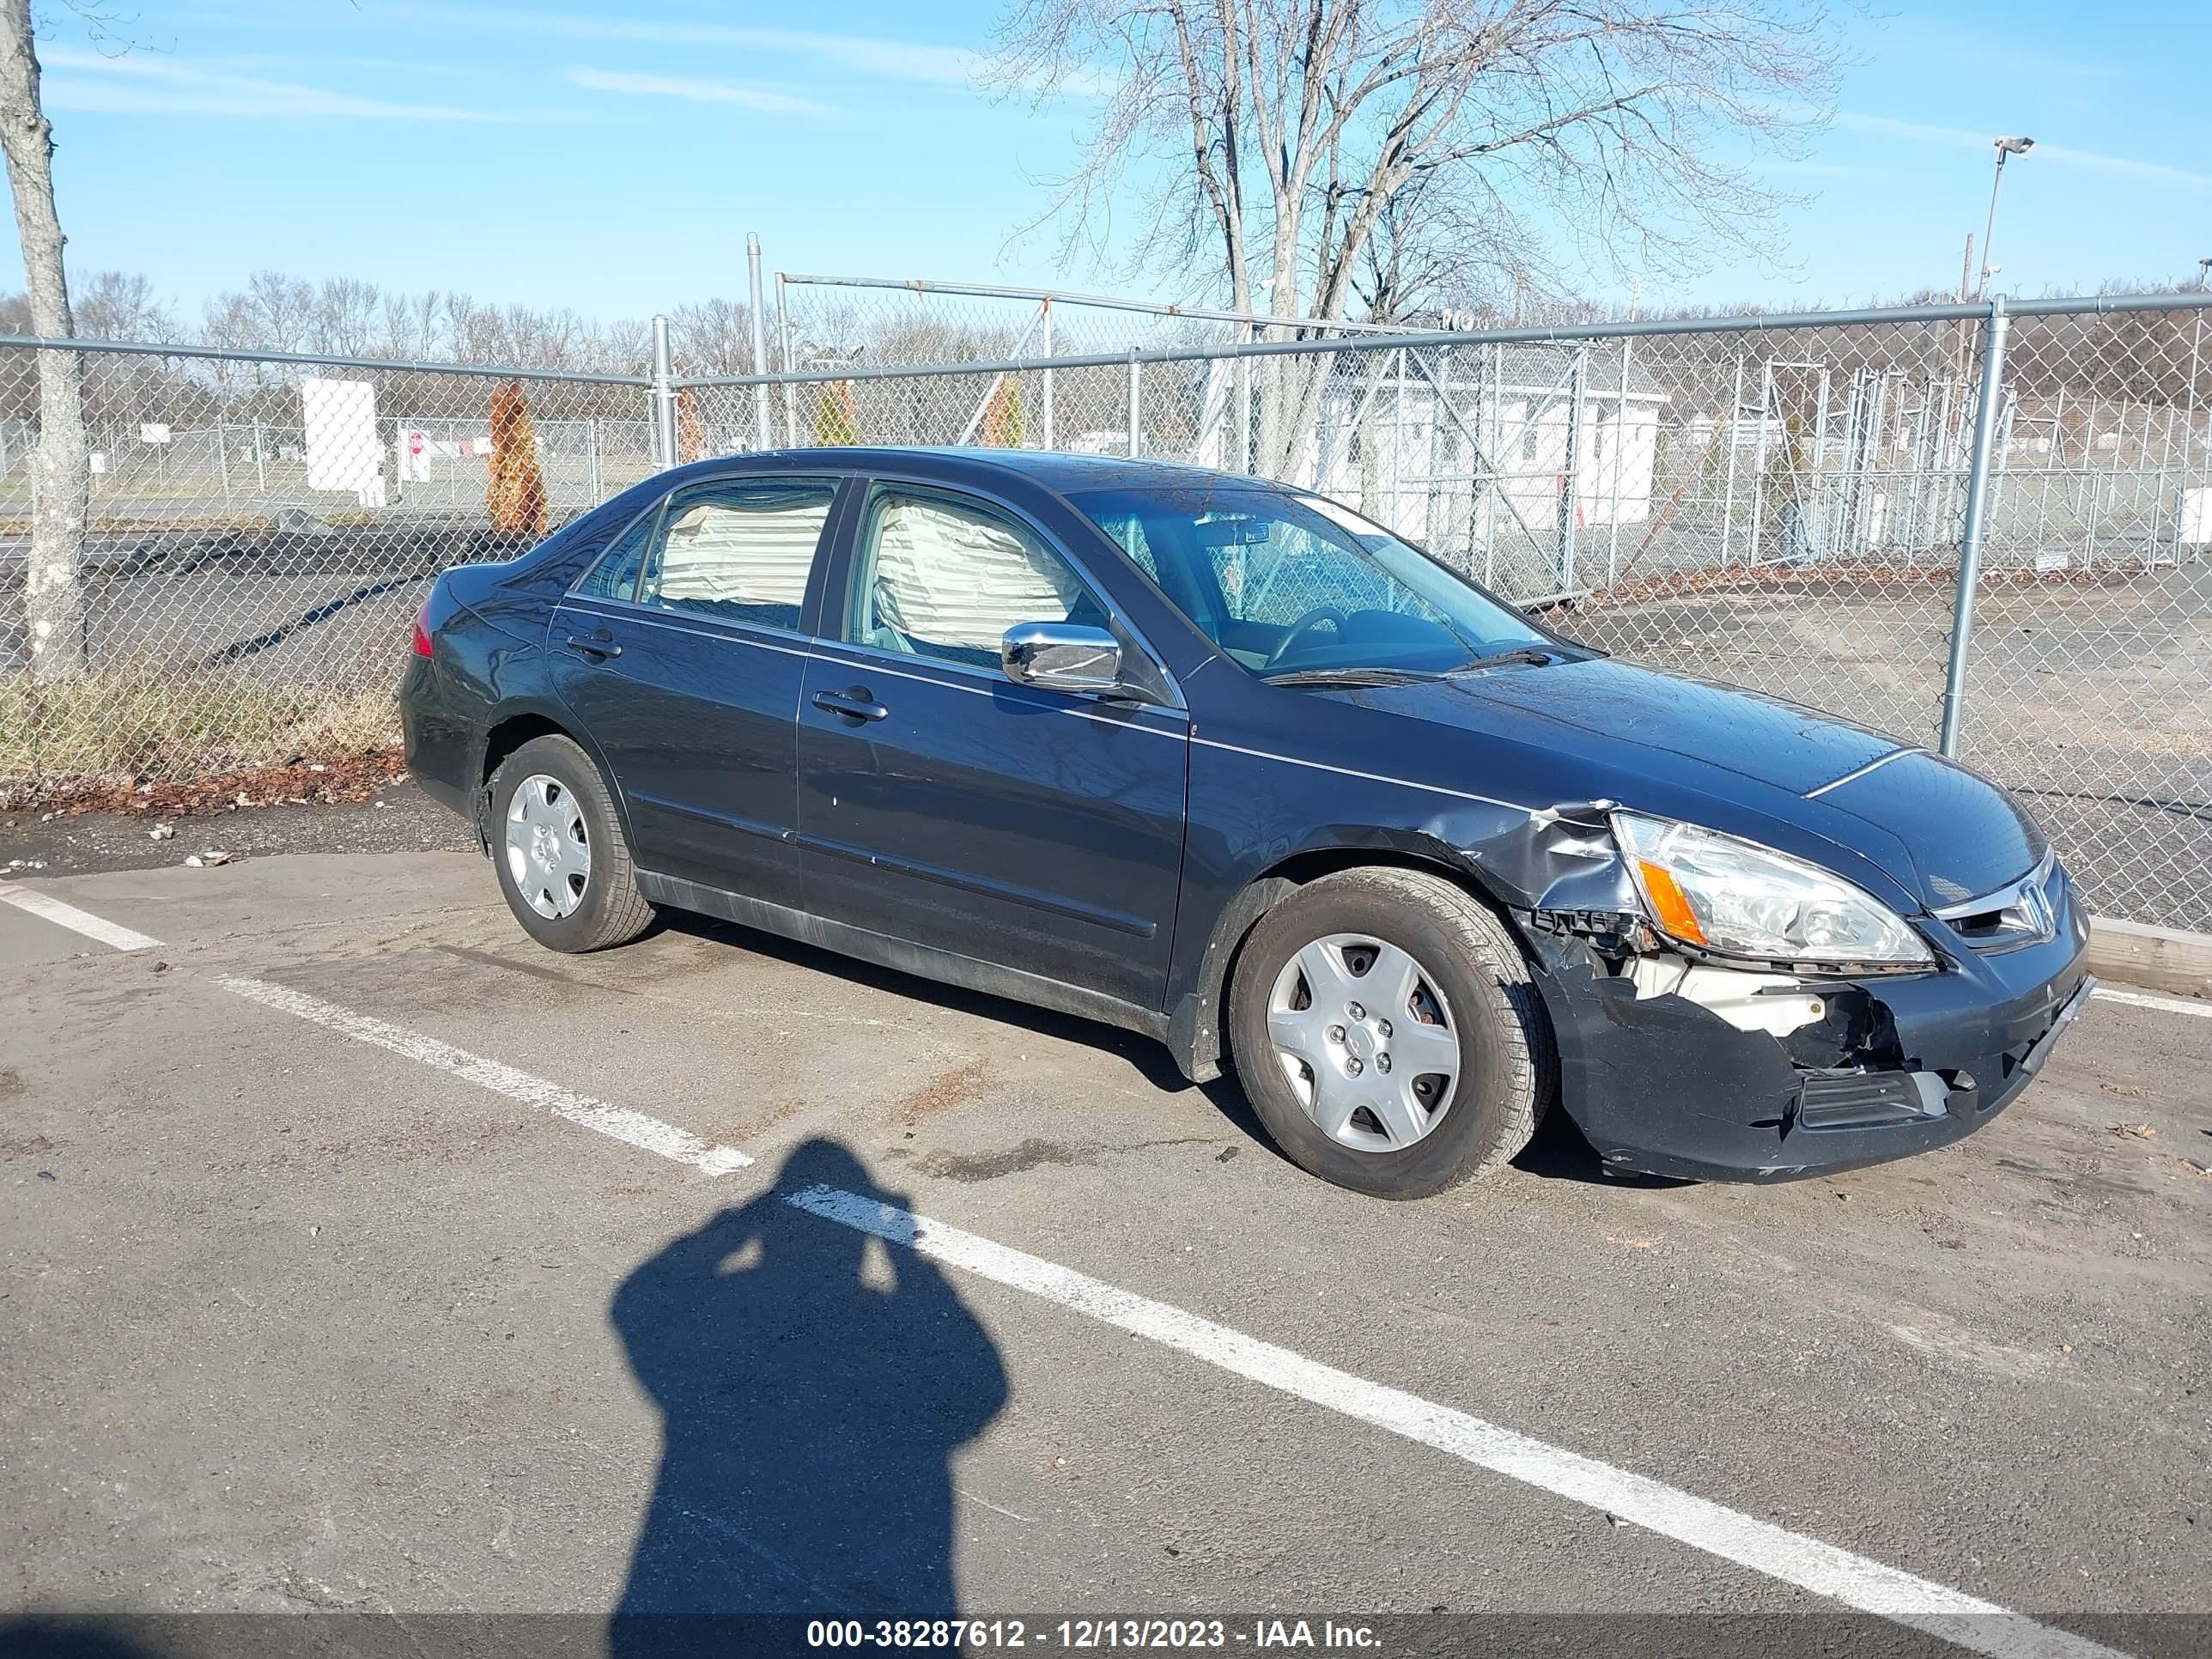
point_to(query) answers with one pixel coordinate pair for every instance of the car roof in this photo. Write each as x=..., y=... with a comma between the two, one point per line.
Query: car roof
x=1058, y=471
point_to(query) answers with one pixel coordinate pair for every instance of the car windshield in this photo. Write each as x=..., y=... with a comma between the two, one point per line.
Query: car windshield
x=1294, y=585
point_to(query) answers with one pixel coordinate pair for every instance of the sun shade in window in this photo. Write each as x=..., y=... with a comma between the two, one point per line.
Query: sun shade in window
x=956, y=579
x=741, y=552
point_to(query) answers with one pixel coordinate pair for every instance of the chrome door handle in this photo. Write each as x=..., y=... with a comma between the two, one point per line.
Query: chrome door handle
x=855, y=705
x=601, y=645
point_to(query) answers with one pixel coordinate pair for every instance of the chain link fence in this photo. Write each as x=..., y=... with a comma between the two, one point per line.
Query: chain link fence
x=1804, y=506
x=257, y=536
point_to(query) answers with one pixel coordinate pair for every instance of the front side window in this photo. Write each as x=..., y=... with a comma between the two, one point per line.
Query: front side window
x=1285, y=582
x=740, y=550
x=937, y=576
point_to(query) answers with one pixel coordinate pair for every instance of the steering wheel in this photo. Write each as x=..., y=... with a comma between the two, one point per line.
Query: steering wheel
x=1303, y=626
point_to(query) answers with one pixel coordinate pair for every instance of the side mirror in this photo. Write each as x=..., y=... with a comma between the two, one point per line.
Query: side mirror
x=1061, y=657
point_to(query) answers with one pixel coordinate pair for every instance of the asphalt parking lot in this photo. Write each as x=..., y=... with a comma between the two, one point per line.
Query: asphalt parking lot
x=360, y=1255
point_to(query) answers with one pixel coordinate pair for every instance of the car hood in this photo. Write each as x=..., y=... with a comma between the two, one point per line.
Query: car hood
x=1937, y=829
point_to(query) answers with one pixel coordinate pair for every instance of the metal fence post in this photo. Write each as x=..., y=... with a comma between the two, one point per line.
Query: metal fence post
x=1571, y=499
x=1970, y=539
x=786, y=349
x=1044, y=345
x=664, y=399
x=1244, y=461
x=1398, y=447
x=1728, y=436
x=1136, y=405
x=1619, y=456
x=760, y=341
x=1766, y=402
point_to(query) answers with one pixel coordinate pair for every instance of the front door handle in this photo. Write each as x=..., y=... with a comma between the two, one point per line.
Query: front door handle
x=855, y=705
x=599, y=644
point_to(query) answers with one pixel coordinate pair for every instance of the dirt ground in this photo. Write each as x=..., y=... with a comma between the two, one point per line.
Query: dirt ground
x=395, y=819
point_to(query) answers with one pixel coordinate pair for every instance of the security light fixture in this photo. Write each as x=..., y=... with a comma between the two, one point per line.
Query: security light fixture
x=2004, y=147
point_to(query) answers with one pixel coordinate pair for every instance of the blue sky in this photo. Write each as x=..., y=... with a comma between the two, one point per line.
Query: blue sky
x=611, y=158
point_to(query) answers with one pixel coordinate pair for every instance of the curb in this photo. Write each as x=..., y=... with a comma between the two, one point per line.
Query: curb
x=2158, y=958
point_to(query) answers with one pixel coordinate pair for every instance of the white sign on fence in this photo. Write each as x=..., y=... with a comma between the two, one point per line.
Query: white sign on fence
x=415, y=447
x=153, y=432
x=343, y=450
x=2197, y=515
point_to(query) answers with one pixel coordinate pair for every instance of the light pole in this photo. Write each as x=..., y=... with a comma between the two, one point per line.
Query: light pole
x=2005, y=147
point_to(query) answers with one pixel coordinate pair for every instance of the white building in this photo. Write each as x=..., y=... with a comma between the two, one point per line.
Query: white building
x=1534, y=425
x=1512, y=453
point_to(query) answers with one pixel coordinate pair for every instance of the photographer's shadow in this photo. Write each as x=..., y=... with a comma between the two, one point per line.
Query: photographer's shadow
x=810, y=1415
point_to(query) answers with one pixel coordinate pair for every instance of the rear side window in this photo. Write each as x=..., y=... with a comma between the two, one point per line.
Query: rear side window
x=739, y=552
x=615, y=576
x=939, y=576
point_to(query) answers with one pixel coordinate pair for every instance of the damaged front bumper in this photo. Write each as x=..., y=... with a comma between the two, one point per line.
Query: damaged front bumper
x=1673, y=1068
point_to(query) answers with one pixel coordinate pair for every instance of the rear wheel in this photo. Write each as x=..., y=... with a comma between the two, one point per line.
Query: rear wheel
x=1388, y=1034
x=563, y=863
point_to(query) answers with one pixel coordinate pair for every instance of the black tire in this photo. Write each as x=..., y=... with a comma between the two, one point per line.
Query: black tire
x=1508, y=1069
x=611, y=910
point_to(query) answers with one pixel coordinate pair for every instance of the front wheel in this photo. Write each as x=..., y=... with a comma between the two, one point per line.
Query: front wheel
x=1386, y=1029
x=564, y=866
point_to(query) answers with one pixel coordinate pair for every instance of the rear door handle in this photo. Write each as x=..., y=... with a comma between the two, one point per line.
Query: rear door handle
x=600, y=644
x=855, y=705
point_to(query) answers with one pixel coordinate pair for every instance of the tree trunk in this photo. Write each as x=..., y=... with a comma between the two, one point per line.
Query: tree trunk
x=53, y=602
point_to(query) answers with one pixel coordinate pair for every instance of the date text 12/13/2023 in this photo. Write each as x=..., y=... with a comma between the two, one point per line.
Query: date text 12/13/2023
x=1086, y=1634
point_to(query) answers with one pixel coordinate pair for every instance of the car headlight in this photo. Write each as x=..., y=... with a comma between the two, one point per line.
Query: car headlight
x=1736, y=899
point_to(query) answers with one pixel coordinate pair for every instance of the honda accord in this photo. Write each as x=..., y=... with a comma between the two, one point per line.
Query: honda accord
x=1224, y=763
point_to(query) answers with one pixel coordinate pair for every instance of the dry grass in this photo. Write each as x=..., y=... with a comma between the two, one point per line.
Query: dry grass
x=145, y=720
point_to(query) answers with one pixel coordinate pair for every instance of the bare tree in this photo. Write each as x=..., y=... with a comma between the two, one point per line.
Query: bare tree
x=54, y=603
x=1282, y=142
x=350, y=318
x=119, y=304
x=715, y=337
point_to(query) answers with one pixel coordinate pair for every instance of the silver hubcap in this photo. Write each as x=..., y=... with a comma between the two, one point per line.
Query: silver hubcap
x=1366, y=1040
x=548, y=852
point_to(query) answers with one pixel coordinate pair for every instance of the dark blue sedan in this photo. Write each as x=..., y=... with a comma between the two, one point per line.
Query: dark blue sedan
x=1222, y=762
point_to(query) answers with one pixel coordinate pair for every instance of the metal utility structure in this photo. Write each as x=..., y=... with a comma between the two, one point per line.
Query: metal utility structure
x=2005, y=147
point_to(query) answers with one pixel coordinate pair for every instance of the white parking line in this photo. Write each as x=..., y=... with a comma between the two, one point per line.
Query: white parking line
x=633, y=1128
x=1856, y=1581
x=68, y=916
x=2145, y=999
x=1823, y=1568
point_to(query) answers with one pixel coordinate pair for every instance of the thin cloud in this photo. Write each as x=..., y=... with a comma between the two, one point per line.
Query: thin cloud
x=864, y=55
x=2121, y=166
x=698, y=92
x=902, y=60
x=135, y=84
